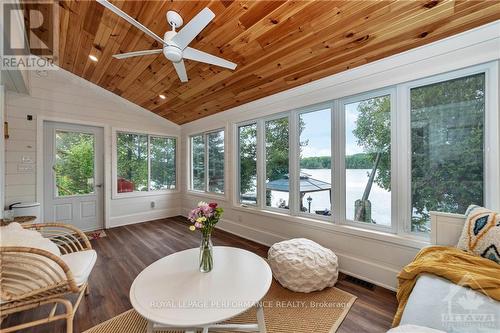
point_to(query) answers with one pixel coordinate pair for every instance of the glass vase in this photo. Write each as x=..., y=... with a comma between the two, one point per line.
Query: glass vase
x=206, y=253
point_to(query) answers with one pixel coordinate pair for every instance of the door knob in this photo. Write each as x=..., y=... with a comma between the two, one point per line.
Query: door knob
x=99, y=185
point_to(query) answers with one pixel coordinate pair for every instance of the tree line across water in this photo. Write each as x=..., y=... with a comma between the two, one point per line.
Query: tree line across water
x=356, y=161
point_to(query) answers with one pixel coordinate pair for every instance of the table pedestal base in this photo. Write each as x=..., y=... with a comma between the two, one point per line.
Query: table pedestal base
x=260, y=326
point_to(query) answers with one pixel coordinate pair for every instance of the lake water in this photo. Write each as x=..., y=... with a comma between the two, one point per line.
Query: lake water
x=356, y=180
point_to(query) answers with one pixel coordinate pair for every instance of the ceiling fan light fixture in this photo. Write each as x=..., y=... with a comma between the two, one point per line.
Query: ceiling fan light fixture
x=162, y=96
x=93, y=58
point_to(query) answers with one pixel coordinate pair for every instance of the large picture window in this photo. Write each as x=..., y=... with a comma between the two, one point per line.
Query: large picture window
x=207, y=162
x=368, y=160
x=315, y=189
x=447, y=147
x=145, y=163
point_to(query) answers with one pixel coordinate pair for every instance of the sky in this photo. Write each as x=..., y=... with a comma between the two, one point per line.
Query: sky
x=318, y=131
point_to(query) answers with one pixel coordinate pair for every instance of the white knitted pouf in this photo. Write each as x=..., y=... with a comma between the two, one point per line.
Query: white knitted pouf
x=302, y=265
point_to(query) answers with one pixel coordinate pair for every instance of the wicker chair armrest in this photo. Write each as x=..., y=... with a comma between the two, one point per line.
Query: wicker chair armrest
x=67, y=237
x=31, y=273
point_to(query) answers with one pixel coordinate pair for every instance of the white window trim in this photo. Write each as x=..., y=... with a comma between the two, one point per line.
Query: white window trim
x=114, y=166
x=400, y=158
x=236, y=164
x=340, y=188
x=206, y=192
x=491, y=138
x=295, y=165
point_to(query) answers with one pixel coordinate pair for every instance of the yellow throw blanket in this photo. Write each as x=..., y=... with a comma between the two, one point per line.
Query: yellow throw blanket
x=452, y=264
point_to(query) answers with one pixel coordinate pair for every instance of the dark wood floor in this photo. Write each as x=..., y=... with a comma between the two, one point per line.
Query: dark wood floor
x=127, y=250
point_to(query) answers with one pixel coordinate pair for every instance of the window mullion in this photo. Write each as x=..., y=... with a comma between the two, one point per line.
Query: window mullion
x=403, y=173
x=293, y=163
x=261, y=165
x=338, y=163
x=149, y=163
x=207, y=170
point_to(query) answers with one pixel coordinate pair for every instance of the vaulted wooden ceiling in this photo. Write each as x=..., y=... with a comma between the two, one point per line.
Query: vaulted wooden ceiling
x=276, y=44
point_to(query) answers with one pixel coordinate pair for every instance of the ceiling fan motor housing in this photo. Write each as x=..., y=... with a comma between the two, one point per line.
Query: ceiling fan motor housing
x=171, y=51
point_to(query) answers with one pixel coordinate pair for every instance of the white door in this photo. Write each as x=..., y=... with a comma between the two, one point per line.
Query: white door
x=73, y=175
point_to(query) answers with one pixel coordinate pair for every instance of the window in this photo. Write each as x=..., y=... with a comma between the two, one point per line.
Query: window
x=447, y=147
x=277, y=174
x=360, y=161
x=216, y=162
x=198, y=163
x=145, y=163
x=315, y=190
x=162, y=156
x=74, y=165
x=247, y=144
x=368, y=160
x=207, y=162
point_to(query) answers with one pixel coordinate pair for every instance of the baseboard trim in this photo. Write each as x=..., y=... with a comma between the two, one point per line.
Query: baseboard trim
x=118, y=221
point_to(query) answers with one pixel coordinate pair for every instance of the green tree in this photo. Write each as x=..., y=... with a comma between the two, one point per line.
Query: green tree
x=74, y=167
x=216, y=161
x=447, y=122
x=162, y=156
x=132, y=159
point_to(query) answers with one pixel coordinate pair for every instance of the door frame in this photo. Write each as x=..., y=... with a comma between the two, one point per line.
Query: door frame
x=106, y=161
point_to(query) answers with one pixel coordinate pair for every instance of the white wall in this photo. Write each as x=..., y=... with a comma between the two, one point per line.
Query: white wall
x=62, y=96
x=370, y=255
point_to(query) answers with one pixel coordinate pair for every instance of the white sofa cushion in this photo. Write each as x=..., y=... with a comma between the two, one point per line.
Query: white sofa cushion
x=81, y=264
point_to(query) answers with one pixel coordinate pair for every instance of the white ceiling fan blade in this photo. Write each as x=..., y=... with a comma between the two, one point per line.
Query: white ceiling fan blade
x=136, y=54
x=181, y=70
x=193, y=28
x=130, y=19
x=197, y=55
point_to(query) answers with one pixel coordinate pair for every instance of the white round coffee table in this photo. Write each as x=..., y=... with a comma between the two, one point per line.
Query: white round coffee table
x=173, y=293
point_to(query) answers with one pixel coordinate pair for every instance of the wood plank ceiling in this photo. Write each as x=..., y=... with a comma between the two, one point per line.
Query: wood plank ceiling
x=276, y=44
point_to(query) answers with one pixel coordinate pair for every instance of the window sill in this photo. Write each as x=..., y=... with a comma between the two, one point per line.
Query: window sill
x=207, y=195
x=406, y=240
x=117, y=196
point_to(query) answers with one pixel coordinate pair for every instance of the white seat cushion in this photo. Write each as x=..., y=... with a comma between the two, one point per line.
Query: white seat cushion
x=81, y=264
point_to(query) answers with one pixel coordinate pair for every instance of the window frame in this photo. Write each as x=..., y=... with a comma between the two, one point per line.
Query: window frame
x=263, y=149
x=296, y=170
x=400, y=156
x=491, y=141
x=206, y=191
x=339, y=194
x=114, y=168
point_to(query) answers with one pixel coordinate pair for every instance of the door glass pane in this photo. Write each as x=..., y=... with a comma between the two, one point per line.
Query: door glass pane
x=162, y=156
x=132, y=162
x=247, y=139
x=74, y=166
x=277, y=182
x=216, y=162
x=368, y=160
x=315, y=162
x=447, y=143
x=198, y=161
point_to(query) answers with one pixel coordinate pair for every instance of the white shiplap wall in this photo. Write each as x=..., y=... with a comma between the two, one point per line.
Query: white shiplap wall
x=62, y=96
x=373, y=256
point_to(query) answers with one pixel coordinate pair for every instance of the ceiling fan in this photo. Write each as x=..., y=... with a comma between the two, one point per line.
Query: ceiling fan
x=175, y=44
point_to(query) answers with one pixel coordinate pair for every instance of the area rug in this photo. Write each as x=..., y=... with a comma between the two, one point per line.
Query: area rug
x=285, y=312
x=96, y=234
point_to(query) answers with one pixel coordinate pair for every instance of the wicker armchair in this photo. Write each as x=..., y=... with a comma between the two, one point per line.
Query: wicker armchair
x=33, y=277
